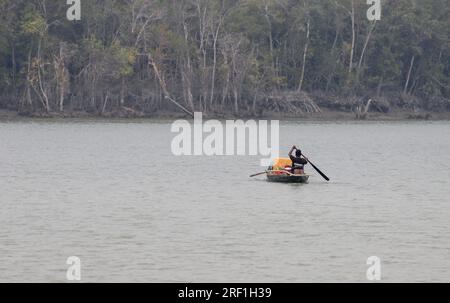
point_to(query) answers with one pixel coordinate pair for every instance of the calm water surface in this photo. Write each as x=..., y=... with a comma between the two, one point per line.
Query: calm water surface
x=112, y=194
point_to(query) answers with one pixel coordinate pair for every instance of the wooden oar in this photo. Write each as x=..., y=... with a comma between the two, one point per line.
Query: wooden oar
x=317, y=169
x=258, y=174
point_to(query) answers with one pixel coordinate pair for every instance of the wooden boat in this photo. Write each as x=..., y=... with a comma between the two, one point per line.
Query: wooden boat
x=283, y=176
x=280, y=172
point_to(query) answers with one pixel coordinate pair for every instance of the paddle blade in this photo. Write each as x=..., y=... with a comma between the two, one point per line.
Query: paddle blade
x=319, y=171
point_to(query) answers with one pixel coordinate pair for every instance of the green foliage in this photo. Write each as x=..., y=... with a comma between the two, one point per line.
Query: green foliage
x=34, y=24
x=222, y=53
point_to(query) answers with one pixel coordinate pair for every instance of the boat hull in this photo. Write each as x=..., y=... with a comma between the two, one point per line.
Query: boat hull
x=288, y=178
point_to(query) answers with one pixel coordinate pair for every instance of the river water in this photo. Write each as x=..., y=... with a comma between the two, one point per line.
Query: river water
x=112, y=194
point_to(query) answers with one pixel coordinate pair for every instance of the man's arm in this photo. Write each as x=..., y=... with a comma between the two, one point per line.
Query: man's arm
x=292, y=150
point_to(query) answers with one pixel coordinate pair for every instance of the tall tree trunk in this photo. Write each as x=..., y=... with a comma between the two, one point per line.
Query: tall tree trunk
x=62, y=77
x=28, y=85
x=236, y=99
x=203, y=51
x=269, y=23
x=213, y=76
x=352, y=51
x=330, y=75
x=14, y=67
x=305, y=51
x=365, y=46
x=41, y=85
x=105, y=103
x=405, y=89
x=61, y=98
x=188, y=73
x=227, y=80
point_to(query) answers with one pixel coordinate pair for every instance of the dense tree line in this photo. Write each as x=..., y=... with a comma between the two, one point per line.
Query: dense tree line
x=223, y=55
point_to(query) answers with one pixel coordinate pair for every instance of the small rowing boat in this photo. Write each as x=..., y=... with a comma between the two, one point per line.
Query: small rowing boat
x=280, y=171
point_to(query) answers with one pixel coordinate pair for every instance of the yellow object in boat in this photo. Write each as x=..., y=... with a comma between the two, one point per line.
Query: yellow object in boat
x=281, y=163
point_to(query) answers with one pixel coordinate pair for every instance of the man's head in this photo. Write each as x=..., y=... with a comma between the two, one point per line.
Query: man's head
x=298, y=153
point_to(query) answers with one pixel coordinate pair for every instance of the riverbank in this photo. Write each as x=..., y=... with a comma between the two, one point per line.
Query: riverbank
x=324, y=115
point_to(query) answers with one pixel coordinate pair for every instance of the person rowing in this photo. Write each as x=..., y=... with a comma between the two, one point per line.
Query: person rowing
x=298, y=161
x=297, y=169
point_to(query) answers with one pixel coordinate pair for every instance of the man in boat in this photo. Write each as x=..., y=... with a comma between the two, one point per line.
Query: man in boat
x=298, y=161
